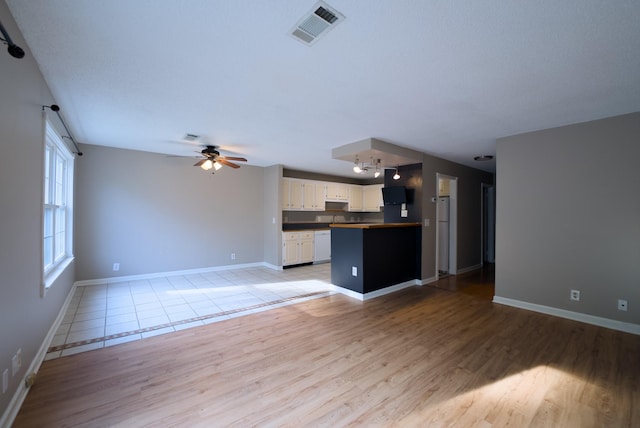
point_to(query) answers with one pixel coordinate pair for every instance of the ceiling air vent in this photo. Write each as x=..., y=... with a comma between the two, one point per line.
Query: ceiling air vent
x=316, y=23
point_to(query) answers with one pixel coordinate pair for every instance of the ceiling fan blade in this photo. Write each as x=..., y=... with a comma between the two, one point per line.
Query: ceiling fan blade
x=233, y=158
x=200, y=162
x=227, y=163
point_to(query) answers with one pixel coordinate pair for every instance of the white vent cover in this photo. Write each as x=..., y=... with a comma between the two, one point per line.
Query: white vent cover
x=316, y=23
x=190, y=137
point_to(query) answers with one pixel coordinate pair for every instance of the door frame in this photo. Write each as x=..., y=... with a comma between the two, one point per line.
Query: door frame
x=487, y=223
x=453, y=223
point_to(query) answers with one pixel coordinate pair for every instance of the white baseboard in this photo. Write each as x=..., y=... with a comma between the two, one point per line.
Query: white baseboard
x=9, y=415
x=270, y=266
x=468, y=269
x=426, y=281
x=575, y=316
x=173, y=273
x=376, y=293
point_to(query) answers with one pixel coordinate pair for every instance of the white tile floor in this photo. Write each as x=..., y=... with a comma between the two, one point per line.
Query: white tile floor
x=123, y=311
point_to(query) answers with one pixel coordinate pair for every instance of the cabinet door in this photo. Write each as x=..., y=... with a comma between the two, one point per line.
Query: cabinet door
x=290, y=248
x=343, y=192
x=308, y=196
x=306, y=247
x=337, y=192
x=319, y=197
x=372, y=198
x=355, y=198
x=284, y=190
x=295, y=193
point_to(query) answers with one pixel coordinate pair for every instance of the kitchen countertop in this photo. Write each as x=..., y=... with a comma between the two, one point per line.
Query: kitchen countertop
x=372, y=225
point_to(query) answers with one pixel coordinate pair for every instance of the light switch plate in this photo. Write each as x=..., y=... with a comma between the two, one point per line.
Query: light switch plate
x=354, y=271
x=404, y=213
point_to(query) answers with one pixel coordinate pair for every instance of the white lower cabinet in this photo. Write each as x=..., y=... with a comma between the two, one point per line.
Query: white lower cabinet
x=297, y=247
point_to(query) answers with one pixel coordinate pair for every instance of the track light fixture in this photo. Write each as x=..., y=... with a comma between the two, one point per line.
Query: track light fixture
x=364, y=167
x=356, y=166
x=396, y=176
x=377, y=173
x=14, y=50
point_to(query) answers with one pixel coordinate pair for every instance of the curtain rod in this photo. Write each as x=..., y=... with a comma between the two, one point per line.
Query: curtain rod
x=56, y=108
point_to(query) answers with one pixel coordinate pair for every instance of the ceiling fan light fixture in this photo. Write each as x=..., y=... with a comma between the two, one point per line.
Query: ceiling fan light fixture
x=207, y=165
x=217, y=165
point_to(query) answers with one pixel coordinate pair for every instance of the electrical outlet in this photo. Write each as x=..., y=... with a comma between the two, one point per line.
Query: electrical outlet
x=5, y=380
x=426, y=222
x=354, y=271
x=233, y=256
x=116, y=266
x=575, y=295
x=622, y=305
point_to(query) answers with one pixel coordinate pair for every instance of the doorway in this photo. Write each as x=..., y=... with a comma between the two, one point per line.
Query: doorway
x=447, y=225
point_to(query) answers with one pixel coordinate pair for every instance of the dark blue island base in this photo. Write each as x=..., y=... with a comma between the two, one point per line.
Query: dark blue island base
x=372, y=259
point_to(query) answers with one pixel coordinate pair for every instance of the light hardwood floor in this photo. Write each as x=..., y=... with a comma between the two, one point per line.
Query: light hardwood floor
x=423, y=356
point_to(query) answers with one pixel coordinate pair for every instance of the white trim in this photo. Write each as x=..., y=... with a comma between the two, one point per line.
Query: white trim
x=270, y=266
x=469, y=269
x=576, y=316
x=10, y=413
x=171, y=273
x=426, y=281
x=53, y=275
x=376, y=293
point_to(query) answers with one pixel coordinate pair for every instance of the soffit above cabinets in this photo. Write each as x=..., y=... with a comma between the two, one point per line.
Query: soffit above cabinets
x=390, y=155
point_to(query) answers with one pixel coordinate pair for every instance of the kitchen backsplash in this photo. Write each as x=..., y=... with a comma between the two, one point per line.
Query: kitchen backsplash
x=329, y=217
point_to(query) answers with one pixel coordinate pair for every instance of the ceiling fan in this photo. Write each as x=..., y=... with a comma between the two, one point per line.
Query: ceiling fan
x=213, y=159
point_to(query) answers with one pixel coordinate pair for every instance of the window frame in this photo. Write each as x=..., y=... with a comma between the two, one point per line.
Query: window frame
x=57, y=200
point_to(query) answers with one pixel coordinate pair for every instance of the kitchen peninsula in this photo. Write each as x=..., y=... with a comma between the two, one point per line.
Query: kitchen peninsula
x=375, y=257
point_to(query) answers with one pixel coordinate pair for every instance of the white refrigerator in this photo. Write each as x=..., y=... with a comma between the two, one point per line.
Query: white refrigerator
x=443, y=234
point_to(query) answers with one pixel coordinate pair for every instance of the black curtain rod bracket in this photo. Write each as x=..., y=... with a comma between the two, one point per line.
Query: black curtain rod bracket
x=56, y=108
x=14, y=50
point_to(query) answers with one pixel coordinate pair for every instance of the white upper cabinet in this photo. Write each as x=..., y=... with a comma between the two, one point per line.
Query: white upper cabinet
x=355, y=198
x=285, y=187
x=310, y=195
x=302, y=195
x=337, y=192
x=372, y=198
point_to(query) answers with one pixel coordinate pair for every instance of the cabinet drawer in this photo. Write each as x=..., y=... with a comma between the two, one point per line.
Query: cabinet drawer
x=290, y=236
x=306, y=235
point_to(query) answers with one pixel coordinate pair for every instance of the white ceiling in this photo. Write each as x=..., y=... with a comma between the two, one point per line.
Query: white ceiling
x=442, y=77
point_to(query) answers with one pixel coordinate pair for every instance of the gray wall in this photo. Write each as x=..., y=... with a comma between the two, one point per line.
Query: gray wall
x=272, y=215
x=568, y=217
x=469, y=230
x=25, y=317
x=154, y=213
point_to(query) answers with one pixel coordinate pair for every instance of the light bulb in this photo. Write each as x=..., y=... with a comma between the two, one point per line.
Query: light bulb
x=376, y=174
x=396, y=176
x=207, y=165
x=217, y=165
x=357, y=169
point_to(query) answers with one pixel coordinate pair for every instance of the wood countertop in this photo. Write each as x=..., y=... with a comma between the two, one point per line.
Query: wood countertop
x=371, y=225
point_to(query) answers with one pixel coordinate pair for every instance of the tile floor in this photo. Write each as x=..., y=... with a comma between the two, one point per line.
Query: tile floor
x=123, y=311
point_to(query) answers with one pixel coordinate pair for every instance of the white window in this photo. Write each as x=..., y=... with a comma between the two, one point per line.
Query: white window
x=58, y=206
